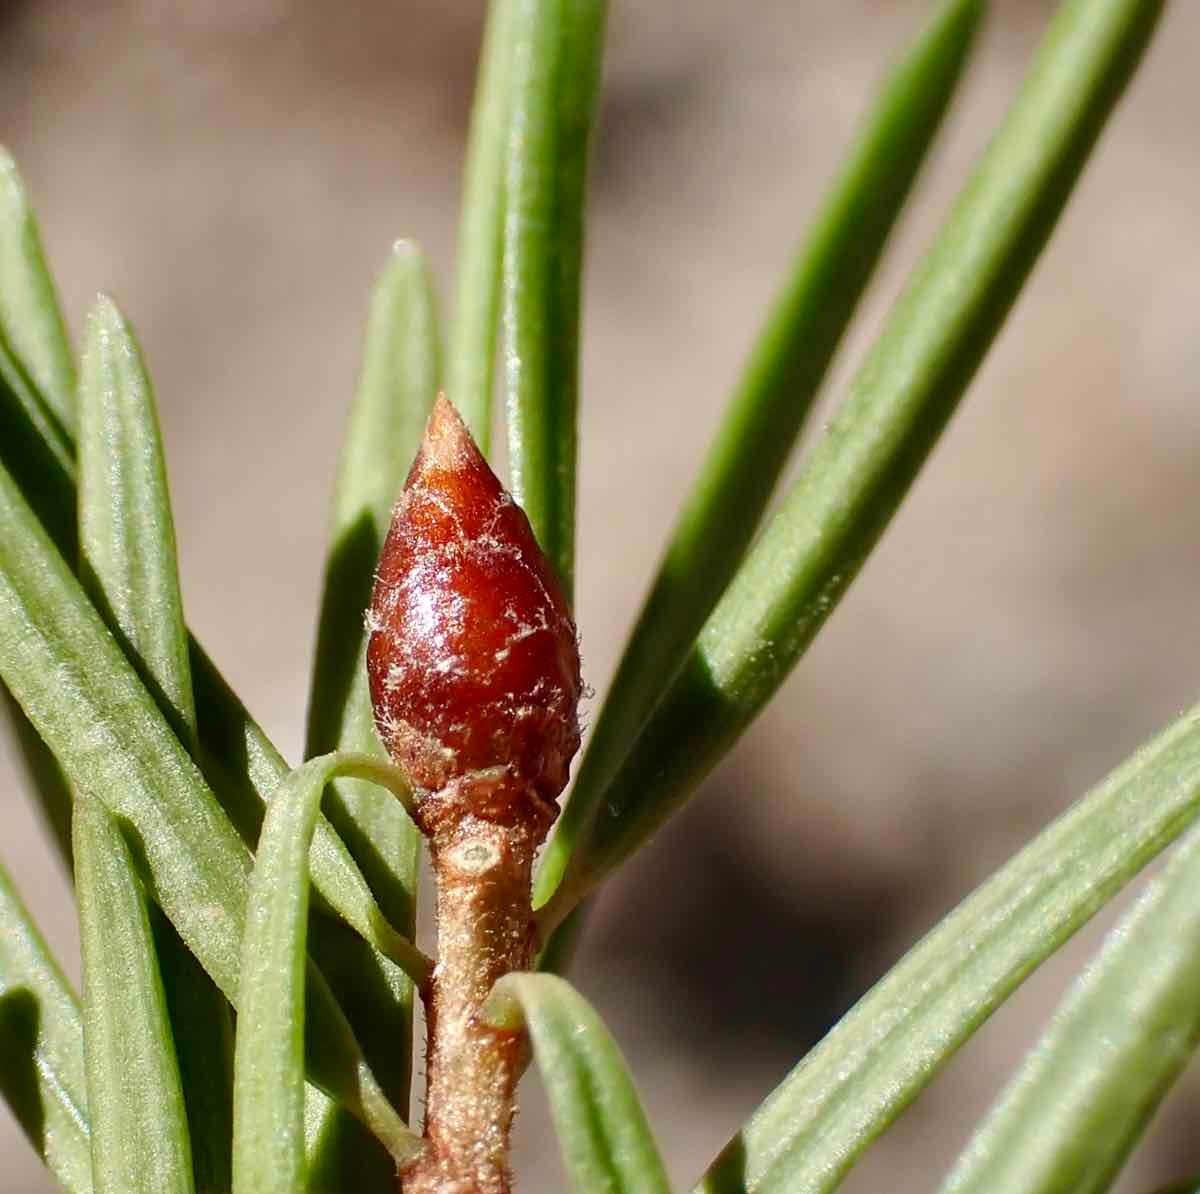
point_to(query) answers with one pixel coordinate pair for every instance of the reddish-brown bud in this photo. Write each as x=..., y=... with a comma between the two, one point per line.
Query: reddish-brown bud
x=472, y=658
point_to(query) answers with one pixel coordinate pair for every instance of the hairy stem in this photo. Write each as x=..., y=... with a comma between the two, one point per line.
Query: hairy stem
x=485, y=930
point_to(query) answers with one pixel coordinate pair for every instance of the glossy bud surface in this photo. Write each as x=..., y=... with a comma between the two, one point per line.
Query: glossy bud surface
x=473, y=657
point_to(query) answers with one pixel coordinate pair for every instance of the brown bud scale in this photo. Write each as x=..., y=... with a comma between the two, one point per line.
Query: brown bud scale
x=473, y=657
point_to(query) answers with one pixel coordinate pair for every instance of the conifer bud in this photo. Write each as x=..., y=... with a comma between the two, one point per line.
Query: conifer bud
x=473, y=659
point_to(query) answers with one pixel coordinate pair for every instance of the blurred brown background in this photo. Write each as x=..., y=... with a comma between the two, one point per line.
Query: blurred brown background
x=235, y=173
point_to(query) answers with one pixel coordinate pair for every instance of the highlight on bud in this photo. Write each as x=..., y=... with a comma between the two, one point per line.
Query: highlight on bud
x=473, y=658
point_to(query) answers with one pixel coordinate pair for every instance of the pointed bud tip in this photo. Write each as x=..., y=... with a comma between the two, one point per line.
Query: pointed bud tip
x=448, y=441
x=472, y=659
